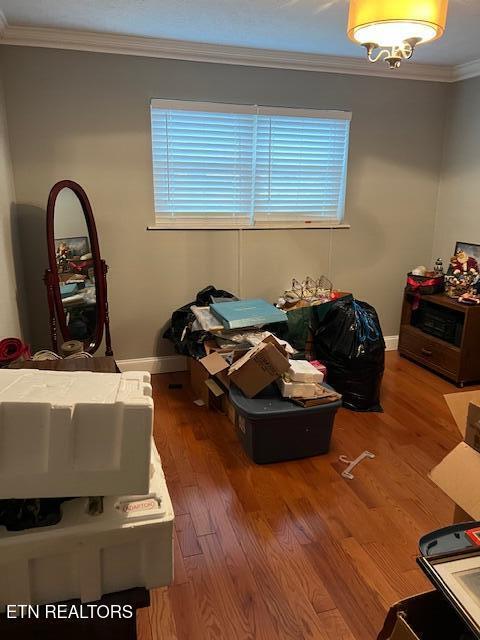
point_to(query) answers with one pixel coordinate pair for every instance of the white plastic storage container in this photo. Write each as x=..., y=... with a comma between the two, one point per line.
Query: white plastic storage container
x=74, y=434
x=129, y=545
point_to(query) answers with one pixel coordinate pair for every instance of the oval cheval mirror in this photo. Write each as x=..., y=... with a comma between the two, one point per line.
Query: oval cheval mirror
x=76, y=279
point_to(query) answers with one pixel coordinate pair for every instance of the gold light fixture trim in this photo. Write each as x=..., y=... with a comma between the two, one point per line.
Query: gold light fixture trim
x=395, y=27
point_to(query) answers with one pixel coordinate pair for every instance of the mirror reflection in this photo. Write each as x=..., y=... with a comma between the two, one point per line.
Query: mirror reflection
x=75, y=266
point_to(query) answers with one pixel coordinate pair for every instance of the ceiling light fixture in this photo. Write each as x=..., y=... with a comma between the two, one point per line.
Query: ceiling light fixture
x=391, y=29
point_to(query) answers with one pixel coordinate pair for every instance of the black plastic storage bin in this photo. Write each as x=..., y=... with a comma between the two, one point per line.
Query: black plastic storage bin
x=273, y=429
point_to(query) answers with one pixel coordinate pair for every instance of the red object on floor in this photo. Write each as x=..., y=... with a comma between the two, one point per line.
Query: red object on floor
x=12, y=349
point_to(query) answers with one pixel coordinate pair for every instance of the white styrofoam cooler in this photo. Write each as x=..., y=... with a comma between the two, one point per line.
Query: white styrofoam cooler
x=129, y=545
x=74, y=433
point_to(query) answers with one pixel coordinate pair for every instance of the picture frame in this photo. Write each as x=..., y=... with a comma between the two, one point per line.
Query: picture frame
x=471, y=249
x=79, y=246
x=465, y=260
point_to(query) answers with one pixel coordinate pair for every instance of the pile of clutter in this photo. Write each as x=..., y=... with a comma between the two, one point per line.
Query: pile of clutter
x=84, y=507
x=225, y=336
x=271, y=360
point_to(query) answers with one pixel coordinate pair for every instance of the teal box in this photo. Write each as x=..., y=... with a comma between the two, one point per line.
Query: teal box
x=247, y=313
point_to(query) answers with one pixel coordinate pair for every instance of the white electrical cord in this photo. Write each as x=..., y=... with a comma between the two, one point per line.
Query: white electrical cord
x=80, y=354
x=45, y=354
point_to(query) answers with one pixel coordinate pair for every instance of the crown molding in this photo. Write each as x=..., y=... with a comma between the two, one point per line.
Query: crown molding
x=467, y=70
x=222, y=54
x=3, y=23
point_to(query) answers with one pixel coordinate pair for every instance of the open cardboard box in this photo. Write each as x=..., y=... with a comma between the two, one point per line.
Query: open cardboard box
x=202, y=373
x=457, y=474
x=260, y=366
x=251, y=371
x=208, y=379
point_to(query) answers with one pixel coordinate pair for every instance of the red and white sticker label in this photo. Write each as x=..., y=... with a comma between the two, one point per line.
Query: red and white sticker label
x=138, y=506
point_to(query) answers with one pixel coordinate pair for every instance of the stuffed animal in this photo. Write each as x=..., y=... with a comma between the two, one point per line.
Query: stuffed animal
x=462, y=263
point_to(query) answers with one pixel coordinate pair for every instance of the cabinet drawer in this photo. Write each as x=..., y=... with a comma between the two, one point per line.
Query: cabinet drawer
x=428, y=350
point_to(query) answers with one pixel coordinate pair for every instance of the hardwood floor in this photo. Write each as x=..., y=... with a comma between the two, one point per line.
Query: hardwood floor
x=293, y=550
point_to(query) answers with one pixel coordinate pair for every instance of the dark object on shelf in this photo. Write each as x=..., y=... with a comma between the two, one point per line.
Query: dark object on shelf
x=273, y=429
x=460, y=363
x=186, y=341
x=439, y=321
x=425, y=285
x=350, y=343
x=92, y=627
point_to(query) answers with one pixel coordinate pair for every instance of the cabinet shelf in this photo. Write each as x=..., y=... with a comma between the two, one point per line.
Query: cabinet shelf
x=459, y=362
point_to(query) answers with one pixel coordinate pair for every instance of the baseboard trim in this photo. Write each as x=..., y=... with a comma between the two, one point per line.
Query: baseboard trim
x=159, y=364
x=171, y=364
x=391, y=343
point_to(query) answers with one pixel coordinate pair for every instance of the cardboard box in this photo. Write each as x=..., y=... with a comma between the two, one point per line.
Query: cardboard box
x=210, y=382
x=259, y=367
x=200, y=373
x=457, y=474
x=198, y=376
x=229, y=410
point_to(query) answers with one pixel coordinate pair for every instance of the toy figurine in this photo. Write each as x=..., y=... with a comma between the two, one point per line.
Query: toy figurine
x=438, y=268
x=461, y=263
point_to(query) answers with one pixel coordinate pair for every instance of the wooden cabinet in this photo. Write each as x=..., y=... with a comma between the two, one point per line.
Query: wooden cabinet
x=456, y=358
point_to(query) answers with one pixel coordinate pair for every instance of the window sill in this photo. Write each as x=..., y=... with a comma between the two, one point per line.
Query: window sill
x=188, y=226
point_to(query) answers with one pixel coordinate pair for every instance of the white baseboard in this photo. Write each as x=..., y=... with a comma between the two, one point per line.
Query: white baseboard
x=160, y=364
x=391, y=343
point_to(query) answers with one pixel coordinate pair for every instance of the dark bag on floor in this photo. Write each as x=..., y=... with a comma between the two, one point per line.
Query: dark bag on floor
x=350, y=342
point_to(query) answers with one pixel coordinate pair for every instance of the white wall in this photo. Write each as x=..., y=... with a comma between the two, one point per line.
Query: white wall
x=90, y=123
x=9, y=320
x=458, y=211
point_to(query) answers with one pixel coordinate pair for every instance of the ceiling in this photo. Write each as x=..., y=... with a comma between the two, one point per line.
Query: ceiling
x=306, y=26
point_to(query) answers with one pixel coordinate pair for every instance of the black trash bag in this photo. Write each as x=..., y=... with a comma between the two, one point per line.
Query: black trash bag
x=186, y=341
x=349, y=341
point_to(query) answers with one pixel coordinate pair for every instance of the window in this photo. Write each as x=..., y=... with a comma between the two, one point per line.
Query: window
x=217, y=165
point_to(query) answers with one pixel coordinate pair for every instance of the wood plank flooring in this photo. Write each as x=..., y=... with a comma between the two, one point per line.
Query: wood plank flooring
x=292, y=550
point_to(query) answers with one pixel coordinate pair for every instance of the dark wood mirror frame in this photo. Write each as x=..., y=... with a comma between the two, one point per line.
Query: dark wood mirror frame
x=52, y=280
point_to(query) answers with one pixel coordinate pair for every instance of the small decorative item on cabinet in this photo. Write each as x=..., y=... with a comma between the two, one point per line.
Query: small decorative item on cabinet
x=427, y=284
x=463, y=271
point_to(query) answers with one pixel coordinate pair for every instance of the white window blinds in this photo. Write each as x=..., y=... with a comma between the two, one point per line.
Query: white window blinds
x=242, y=165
